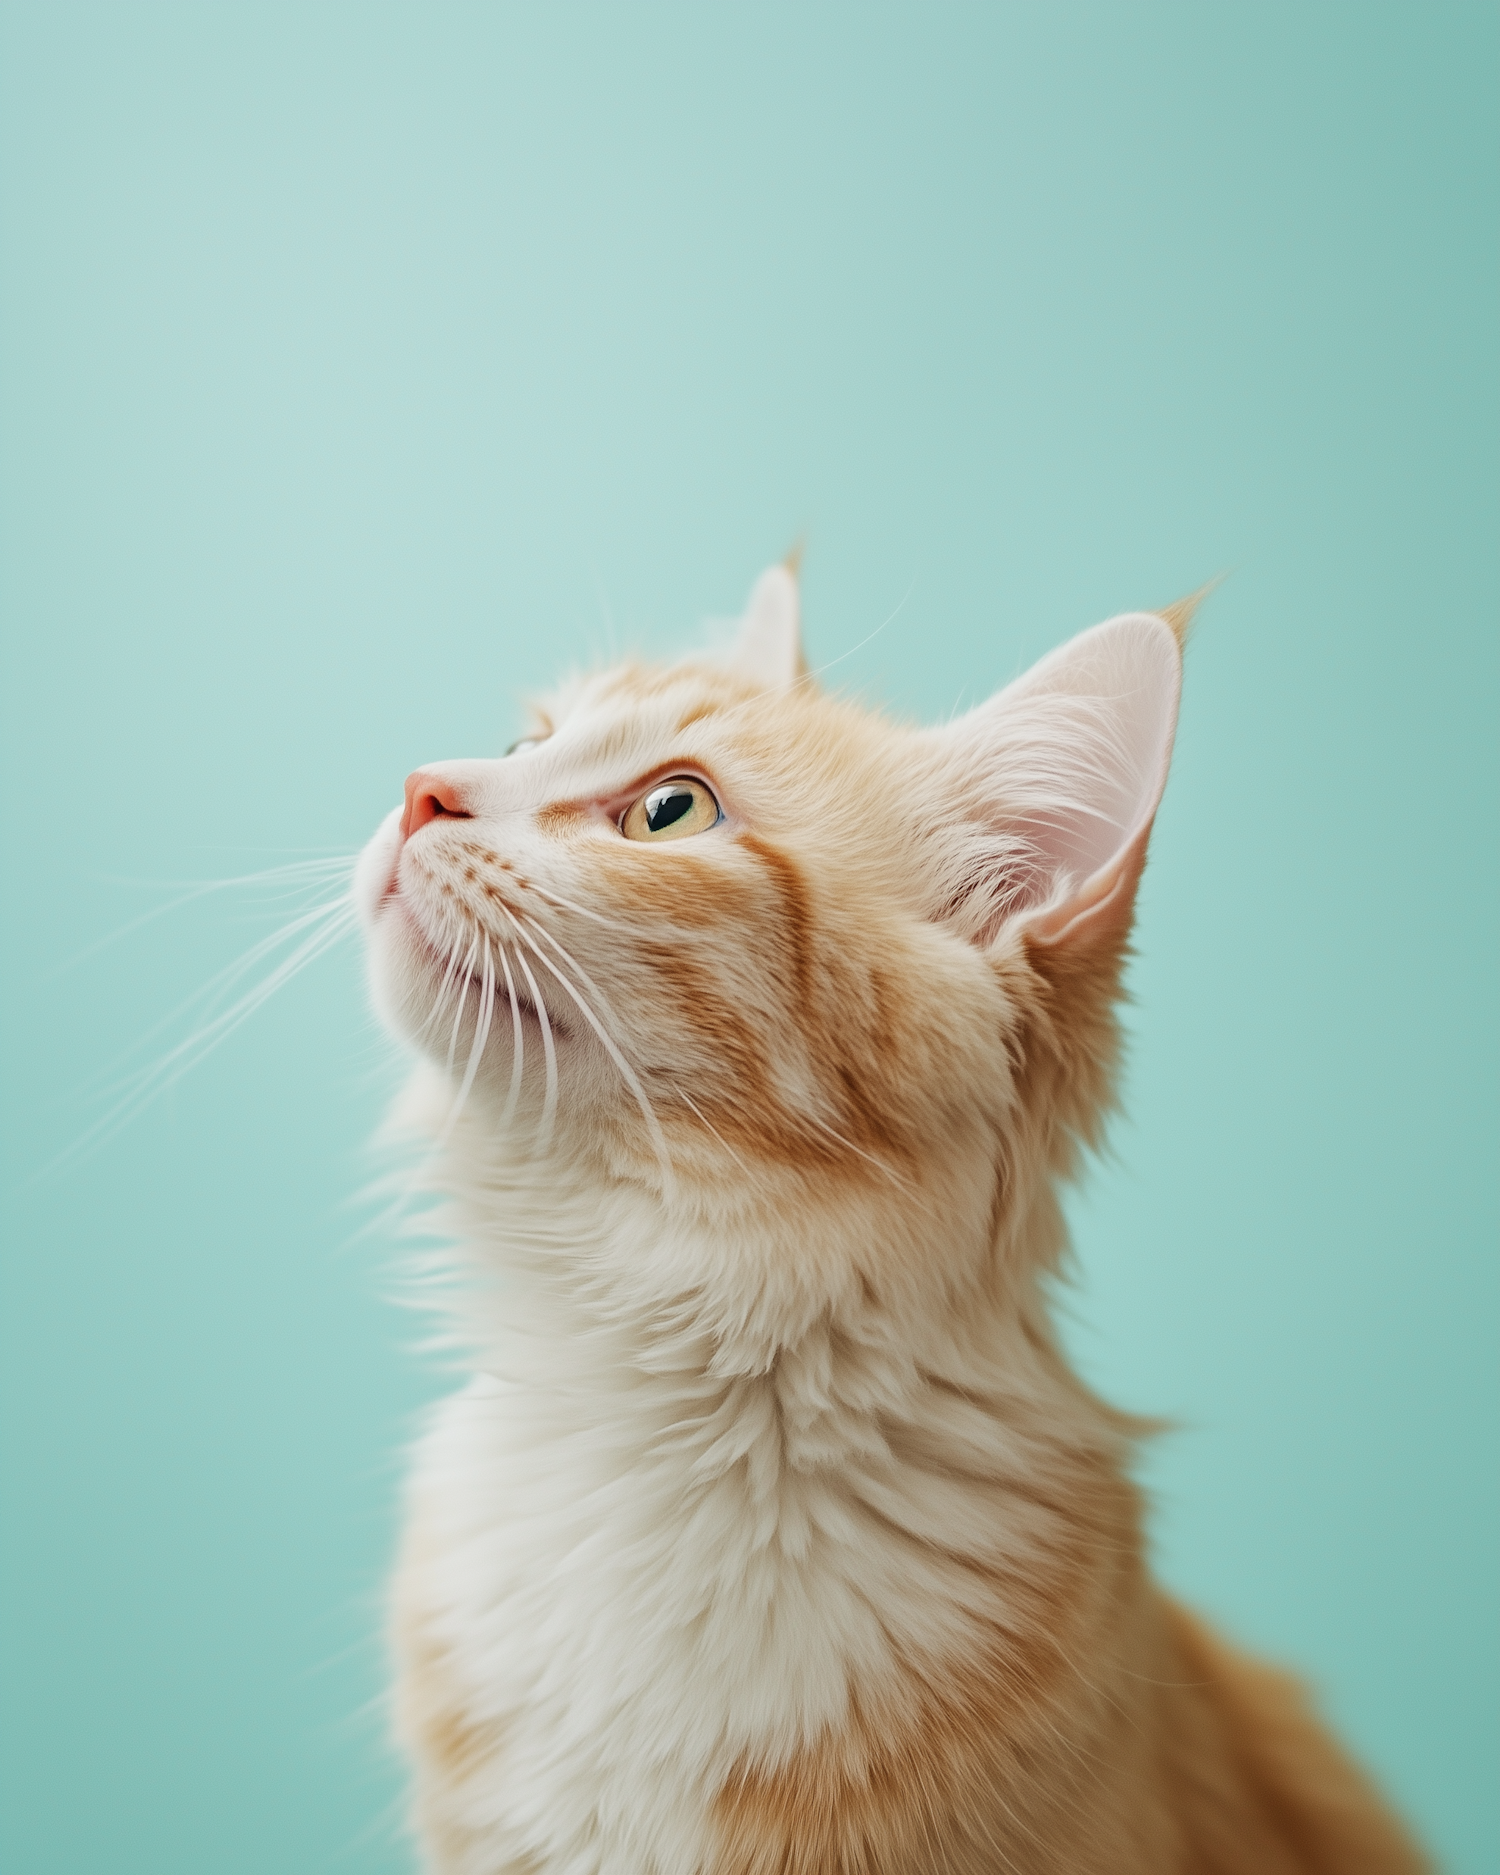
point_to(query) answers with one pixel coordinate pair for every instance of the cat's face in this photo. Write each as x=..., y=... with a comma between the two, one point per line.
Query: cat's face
x=719, y=933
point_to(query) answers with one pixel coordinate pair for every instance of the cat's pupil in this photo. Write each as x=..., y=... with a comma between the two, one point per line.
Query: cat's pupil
x=666, y=805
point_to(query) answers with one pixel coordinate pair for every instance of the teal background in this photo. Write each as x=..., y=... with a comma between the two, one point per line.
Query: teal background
x=359, y=368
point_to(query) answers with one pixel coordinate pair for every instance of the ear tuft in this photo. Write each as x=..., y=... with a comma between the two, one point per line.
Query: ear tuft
x=1179, y=616
x=769, y=646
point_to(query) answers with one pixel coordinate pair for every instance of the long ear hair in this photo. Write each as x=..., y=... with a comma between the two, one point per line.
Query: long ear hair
x=1182, y=612
x=1051, y=786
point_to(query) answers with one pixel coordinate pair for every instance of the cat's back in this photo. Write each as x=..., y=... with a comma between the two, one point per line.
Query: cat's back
x=1258, y=1784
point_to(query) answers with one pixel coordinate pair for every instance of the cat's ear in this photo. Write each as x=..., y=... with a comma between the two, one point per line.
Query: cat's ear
x=768, y=644
x=1056, y=782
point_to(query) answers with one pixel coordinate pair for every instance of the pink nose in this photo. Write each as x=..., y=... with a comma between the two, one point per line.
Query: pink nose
x=429, y=795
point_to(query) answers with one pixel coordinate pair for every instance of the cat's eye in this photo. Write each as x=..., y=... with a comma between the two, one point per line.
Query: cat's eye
x=671, y=810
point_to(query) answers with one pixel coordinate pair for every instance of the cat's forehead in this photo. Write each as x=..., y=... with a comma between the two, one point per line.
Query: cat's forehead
x=630, y=711
x=680, y=693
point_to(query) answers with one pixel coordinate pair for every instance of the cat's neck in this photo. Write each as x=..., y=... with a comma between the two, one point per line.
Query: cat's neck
x=607, y=1300
x=734, y=1528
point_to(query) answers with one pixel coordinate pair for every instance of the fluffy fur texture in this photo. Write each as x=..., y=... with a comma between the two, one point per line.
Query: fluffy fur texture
x=773, y=1535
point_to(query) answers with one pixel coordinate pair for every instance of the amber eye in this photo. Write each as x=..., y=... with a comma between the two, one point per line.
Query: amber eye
x=671, y=810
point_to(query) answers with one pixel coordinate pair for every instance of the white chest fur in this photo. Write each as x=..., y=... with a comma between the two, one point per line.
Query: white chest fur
x=629, y=1571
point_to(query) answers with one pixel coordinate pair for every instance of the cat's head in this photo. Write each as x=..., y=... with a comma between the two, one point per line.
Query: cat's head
x=713, y=933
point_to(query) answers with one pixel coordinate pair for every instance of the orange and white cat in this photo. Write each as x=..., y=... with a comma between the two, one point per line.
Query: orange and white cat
x=773, y=1534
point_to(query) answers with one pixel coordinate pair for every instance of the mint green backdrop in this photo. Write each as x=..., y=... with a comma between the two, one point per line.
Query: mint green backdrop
x=363, y=366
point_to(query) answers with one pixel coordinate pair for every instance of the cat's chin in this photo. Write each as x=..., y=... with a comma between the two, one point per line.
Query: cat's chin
x=406, y=968
x=375, y=871
x=409, y=970
x=394, y=967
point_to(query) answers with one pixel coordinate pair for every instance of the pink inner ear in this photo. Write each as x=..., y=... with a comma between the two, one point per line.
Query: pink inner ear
x=1053, y=781
x=1104, y=706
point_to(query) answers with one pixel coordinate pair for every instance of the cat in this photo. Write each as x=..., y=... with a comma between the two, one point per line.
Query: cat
x=773, y=1534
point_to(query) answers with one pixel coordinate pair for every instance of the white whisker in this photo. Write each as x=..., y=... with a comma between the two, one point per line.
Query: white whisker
x=301, y=876
x=444, y=989
x=333, y=919
x=465, y=978
x=627, y=1073
x=139, y=1089
x=518, y=1041
x=567, y=904
x=688, y=1101
x=849, y=1146
x=217, y=987
x=209, y=995
x=476, y=1047
x=549, y=1102
x=809, y=678
x=577, y=968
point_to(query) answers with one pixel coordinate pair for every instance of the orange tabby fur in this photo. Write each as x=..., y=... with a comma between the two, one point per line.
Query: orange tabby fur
x=1109, y=1734
x=872, y=1057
